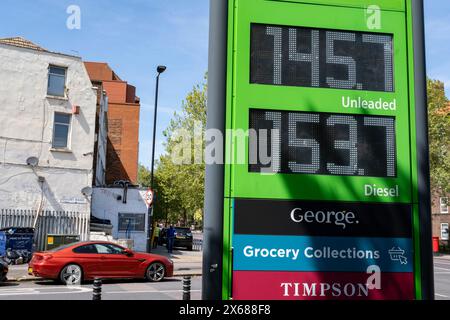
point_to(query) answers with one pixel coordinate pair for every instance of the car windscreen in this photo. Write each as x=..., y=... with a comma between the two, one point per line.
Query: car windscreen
x=182, y=231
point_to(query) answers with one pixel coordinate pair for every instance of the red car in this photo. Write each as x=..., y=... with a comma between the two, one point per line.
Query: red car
x=71, y=264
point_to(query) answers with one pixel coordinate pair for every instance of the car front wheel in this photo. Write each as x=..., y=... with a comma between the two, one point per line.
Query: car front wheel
x=71, y=275
x=155, y=272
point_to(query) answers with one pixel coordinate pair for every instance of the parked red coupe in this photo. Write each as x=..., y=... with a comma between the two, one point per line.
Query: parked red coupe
x=71, y=264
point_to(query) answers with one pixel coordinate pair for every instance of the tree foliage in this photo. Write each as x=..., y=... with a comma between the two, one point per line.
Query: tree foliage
x=180, y=188
x=439, y=134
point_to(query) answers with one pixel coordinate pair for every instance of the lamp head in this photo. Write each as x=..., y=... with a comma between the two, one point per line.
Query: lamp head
x=161, y=69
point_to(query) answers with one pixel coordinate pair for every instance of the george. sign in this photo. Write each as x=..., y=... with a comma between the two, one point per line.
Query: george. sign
x=332, y=200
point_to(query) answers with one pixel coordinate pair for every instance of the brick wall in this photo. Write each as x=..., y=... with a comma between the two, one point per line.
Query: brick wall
x=438, y=218
x=99, y=71
x=117, y=91
x=123, y=123
x=123, y=146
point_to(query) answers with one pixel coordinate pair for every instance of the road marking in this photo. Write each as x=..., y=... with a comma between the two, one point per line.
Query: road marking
x=146, y=291
x=32, y=291
x=446, y=269
x=446, y=262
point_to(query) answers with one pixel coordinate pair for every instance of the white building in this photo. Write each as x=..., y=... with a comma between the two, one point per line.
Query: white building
x=47, y=140
x=101, y=138
x=126, y=210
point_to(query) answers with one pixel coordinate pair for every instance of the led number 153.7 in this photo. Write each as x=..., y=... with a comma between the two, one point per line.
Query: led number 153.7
x=324, y=143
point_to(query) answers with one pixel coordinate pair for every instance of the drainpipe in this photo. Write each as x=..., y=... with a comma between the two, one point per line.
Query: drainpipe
x=41, y=203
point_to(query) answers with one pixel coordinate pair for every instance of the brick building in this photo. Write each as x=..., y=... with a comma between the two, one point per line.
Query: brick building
x=441, y=218
x=123, y=123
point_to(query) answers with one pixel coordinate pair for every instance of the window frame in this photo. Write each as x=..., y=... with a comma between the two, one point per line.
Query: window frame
x=109, y=245
x=83, y=246
x=443, y=225
x=69, y=131
x=443, y=203
x=136, y=217
x=64, y=94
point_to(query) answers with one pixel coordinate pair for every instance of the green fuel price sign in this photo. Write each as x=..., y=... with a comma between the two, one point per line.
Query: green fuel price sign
x=327, y=197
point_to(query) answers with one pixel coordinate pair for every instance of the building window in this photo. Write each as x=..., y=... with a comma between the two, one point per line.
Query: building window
x=444, y=205
x=131, y=222
x=61, y=131
x=444, y=232
x=56, y=81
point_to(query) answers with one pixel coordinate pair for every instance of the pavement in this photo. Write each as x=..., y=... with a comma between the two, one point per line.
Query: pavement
x=186, y=263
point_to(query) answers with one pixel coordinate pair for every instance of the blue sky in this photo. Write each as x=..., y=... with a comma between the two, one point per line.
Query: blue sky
x=134, y=36
x=437, y=28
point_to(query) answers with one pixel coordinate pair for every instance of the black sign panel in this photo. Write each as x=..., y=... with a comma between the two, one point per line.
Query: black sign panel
x=332, y=219
x=306, y=57
x=322, y=143
x=131, y=222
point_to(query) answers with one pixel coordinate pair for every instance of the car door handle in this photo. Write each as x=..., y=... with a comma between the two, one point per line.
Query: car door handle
x=102, y=258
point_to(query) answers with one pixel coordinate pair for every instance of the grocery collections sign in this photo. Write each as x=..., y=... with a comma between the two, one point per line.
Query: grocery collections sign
x=305, y=250
x=326, y=204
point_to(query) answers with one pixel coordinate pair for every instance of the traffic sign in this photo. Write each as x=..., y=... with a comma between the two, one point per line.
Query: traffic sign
x=333, y=94
x=149, y=197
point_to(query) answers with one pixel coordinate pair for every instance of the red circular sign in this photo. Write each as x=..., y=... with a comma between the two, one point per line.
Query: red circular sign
x=149, y=196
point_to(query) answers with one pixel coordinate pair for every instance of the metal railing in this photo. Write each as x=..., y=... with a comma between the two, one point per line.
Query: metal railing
x=49, y=222
x=197, y=245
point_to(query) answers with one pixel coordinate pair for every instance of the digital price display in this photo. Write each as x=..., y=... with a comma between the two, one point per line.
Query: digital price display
x=324, y=188
x=322, y=143
x=307, y=57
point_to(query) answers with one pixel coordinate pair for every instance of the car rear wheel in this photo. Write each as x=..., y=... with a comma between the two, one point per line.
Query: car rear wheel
x=71, y=275
x=155, y=272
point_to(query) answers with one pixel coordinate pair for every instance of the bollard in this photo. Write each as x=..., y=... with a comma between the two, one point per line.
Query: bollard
x=187, y=288
x=97, y=292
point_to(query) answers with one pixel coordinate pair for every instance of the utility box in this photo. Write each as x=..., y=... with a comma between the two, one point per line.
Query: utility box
x=56, y=240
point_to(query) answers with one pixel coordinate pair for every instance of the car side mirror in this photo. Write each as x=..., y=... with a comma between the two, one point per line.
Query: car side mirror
x=128, y=253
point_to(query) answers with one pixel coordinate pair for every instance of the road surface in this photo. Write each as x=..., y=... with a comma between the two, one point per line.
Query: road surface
x=442, y=278
x=112, y=290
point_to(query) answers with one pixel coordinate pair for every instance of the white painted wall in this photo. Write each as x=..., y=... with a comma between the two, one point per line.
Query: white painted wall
x=106, y=206
x=26, y=130
x=100, y=179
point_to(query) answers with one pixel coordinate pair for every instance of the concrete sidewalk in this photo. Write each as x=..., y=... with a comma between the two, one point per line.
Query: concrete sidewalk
x=186, y=263
x=180, y=255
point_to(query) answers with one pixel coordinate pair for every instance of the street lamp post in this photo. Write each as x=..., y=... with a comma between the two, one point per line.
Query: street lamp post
x=160, y=70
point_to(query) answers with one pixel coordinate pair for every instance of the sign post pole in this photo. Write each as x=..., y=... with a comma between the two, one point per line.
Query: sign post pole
x=424, y=196
x=149, y=200
x=214, y=179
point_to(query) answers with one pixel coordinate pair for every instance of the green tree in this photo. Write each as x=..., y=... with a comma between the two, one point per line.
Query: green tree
x=181, y=186
x=439, y=134
x=144, y=180
x=144, y=176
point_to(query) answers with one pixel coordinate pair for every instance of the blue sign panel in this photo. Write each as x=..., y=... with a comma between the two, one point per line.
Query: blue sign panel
x=300, y=253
